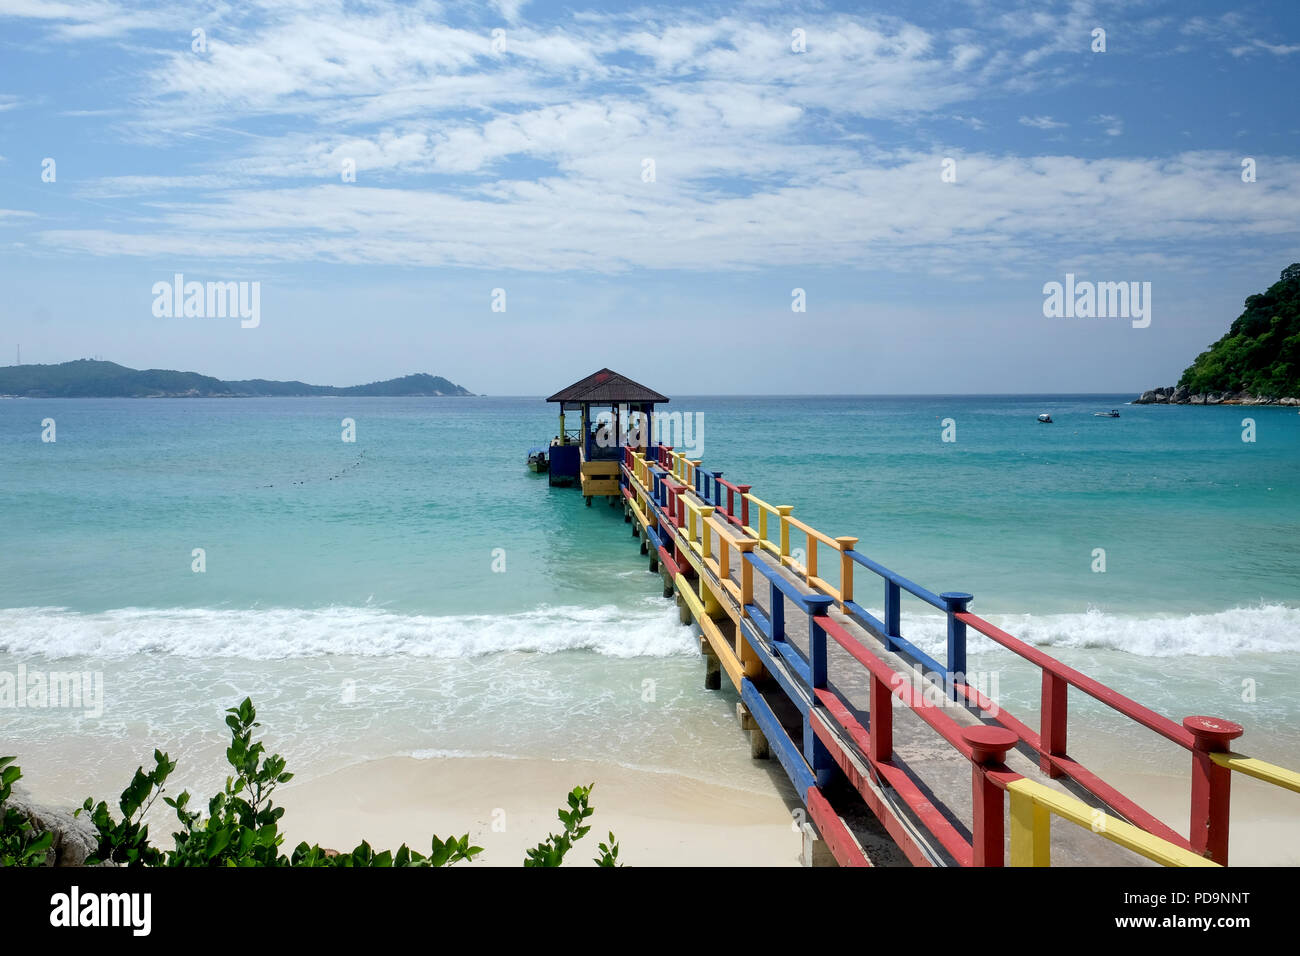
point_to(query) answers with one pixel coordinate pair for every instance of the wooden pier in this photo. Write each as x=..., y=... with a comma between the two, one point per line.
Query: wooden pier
x=896, y=757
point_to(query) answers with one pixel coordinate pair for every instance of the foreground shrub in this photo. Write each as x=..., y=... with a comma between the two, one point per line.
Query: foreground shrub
x=21, y=844
x=242, y=824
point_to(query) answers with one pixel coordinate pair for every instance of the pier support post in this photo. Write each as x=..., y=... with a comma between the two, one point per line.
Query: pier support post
x=1211, y=786
x=712, y=672
x=758, y=748
x=645, y=546
x=683, y=610
x=815, y=851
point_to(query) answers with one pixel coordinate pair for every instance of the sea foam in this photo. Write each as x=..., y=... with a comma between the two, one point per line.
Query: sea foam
x=647, y=630
x=1261, y=629
x=274, y=633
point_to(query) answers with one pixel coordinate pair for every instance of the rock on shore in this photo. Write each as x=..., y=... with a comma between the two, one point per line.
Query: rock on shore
x=1183, y=396
x=75, y=837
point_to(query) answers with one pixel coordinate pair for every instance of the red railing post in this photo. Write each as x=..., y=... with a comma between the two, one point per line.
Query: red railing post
x=1052, y=727
x=989, y=745
x=1211, y=786
x=744, y=504
x=881, y=724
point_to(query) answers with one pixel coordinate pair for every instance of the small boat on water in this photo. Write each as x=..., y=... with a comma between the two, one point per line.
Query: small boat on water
x=1113, y=413
x=1044, y=419
x=538, y=459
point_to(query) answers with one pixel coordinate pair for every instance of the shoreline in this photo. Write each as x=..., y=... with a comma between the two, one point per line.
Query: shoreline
x=1182, y=396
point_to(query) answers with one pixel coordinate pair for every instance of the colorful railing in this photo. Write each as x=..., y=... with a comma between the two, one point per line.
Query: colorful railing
x=681, y=534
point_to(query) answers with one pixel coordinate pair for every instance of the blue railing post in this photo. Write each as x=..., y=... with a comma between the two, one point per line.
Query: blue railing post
x=956, y=602
x=819, y=758
x=818, y=605
x=717, y=490
x=893, y=616
x=776, y=609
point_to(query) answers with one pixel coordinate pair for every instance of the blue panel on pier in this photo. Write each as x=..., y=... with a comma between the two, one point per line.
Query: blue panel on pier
x=565, y=462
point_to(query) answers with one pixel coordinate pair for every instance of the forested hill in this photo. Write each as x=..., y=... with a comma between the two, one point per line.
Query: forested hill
x=1256, y=363
x=86, y=378
x=1260, y=353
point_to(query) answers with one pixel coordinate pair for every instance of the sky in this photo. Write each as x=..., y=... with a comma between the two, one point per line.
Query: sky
x=514, y=194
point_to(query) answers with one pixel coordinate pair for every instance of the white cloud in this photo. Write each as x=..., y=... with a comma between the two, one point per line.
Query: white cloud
x=1041, y=122
x=1277, y=49
x=1005, y=213
x=531, y=158
x=1114, y=124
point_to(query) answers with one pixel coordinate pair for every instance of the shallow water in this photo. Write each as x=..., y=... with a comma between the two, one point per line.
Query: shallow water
x=419, y=591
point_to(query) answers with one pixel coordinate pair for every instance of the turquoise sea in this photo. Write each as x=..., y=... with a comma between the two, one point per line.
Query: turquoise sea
x=418, y=591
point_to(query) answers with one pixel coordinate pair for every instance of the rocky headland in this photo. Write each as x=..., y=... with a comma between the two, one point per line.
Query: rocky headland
x=1182, y=395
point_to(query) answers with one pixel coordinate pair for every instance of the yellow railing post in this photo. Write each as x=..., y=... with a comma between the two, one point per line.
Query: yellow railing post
x=810, y=566
x=705, y=512
x=846, y=570
x=762, y=523
x=784, y=512
x=745, y=546
x=724, y=557
x=752, y=663
x=1031, y=832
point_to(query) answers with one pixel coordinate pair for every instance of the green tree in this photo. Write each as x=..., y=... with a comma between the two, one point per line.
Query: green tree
x=1260, y=353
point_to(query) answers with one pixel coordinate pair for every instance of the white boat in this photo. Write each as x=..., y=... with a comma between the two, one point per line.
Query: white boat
x=1044, y=419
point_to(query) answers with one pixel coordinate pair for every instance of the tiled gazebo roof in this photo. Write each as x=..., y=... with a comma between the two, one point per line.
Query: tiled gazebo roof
x=608, y=387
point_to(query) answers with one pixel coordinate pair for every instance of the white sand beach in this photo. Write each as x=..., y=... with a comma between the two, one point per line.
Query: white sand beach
x=1265, y=829
x=506, y=806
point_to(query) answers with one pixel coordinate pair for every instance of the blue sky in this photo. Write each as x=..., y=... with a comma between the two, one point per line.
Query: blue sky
x=521, y=168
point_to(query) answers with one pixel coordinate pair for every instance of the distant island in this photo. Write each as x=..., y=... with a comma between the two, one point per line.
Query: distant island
x=1256, y=363
x=86, y=378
